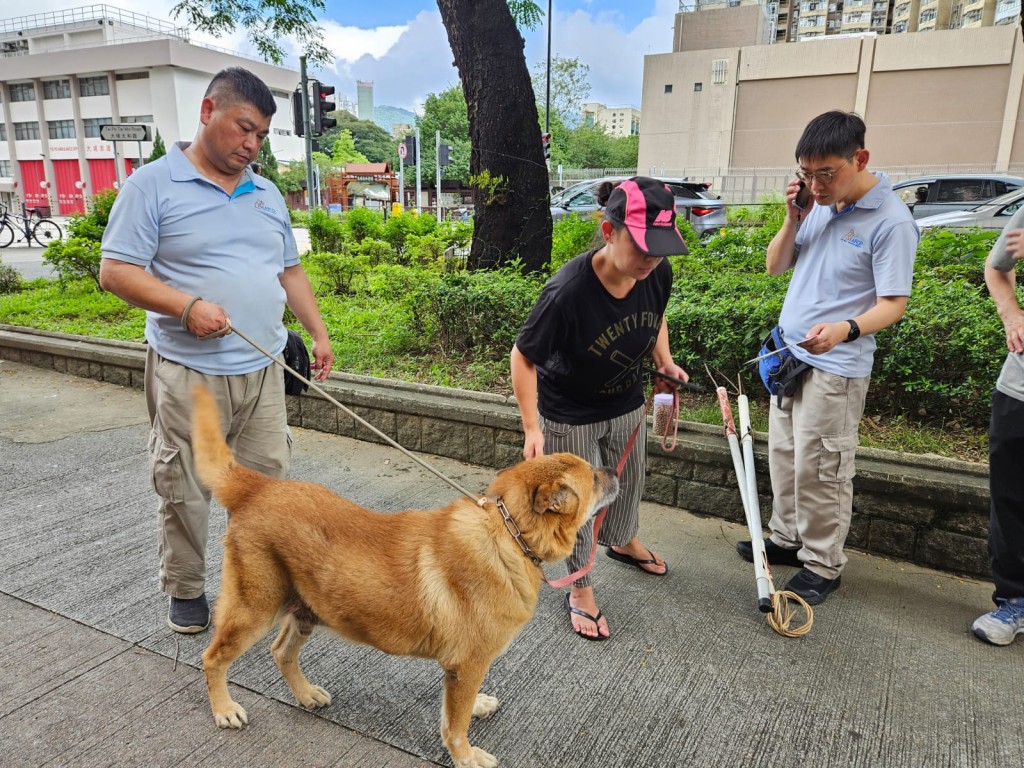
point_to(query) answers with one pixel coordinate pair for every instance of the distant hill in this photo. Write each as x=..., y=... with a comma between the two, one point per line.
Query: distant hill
x=386, y=116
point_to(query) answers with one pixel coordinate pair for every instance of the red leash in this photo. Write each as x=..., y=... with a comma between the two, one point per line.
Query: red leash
x=599, y=518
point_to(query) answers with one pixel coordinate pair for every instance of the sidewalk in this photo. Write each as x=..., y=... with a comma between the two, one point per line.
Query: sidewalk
x=889, y=676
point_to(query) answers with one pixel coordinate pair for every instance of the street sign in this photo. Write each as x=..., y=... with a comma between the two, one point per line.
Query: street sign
x=402, y=151
x=124, y=132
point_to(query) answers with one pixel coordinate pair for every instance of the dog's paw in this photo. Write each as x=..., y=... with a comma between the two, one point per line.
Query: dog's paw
x=485, y=706
x=312, y=697
x=480, y=759
x=234, y=717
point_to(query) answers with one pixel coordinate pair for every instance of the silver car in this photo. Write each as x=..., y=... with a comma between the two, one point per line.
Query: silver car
x=991, y=215
x=931, y=195
x=703, y=210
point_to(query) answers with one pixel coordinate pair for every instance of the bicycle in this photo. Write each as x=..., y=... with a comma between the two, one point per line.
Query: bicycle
x=31, y=226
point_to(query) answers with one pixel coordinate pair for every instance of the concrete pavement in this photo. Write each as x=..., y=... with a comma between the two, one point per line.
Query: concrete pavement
x=693, y=676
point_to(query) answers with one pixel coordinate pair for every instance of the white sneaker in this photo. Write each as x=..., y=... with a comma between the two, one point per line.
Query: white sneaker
x=1002, y=625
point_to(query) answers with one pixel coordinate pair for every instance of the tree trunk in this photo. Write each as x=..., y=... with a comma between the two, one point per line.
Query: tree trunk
x=512, y=217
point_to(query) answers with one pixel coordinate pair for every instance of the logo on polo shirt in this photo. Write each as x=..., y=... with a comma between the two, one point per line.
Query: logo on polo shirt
x=663, y=219
x=261, y=206
x=851, y=238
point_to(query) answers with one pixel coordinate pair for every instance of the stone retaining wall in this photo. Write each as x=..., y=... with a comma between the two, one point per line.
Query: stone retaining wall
x=927, y=510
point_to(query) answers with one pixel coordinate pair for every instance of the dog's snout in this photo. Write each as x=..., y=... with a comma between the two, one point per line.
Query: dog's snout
x=606, y=484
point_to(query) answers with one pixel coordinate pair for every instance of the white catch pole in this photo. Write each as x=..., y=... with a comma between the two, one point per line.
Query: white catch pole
x=752, y=508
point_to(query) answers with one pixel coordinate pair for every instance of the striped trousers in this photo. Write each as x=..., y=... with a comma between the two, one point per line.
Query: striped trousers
x=602, y=444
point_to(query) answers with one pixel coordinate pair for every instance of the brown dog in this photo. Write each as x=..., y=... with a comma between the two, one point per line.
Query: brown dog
x=450, y=584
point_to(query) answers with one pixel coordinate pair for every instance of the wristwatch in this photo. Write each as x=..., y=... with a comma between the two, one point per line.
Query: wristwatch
x=854, y=331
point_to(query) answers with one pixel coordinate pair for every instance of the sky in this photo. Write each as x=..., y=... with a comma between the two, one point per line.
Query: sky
x=402, y=47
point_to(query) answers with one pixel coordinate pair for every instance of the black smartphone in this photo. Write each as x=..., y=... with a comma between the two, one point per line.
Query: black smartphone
x=678, y=382
x=803, y=197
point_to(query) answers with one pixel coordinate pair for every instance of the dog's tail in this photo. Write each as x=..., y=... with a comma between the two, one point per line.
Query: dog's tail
x=215, y=463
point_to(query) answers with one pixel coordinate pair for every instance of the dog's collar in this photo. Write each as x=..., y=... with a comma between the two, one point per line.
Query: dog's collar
x=511, y=527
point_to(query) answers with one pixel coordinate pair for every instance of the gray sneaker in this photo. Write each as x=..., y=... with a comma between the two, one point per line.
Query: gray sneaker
x=189, y=616
x=1000, y=626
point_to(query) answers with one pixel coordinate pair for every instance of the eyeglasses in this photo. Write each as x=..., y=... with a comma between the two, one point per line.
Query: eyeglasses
x=822, y=177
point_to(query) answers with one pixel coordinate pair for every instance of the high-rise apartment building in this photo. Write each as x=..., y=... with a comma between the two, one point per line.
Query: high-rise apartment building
x=364, y=98
x=616, y=121
x=796, y=20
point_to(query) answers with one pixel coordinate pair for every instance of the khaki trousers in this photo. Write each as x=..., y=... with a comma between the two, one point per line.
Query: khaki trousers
x=253, y=415
x=812, y=442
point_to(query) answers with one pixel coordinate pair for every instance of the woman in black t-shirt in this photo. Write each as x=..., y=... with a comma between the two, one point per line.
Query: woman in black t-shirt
x=576, y=368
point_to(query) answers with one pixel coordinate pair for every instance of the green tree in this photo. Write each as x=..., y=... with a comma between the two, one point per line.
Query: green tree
x=266, y=23
x=159, y=150
x=445, y=112
x=570, y=88
x=344, y=150
x=293, y=178
x=374, y=142
x=268, y=165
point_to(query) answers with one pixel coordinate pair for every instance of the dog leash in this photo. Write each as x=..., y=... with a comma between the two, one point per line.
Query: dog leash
x=599, y=518
x=479, y=500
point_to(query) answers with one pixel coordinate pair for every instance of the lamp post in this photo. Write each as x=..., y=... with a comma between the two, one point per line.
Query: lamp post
x=547, y=97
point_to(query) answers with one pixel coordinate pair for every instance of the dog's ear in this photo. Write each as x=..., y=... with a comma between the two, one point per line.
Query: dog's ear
x=552, y=497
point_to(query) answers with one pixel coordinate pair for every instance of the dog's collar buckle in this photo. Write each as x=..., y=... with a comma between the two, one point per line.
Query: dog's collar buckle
x=511, y=527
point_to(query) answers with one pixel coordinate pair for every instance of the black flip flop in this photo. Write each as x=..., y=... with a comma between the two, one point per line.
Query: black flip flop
x=584, y=614
x=629, y=560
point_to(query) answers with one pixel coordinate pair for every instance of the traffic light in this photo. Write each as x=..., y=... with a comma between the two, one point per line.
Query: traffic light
x=443, y=155
x=321, y=107
x=298, y=124
x=545, y=140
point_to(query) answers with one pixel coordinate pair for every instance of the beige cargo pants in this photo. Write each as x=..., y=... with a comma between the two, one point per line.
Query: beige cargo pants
x=254, y=417
x=812, y=442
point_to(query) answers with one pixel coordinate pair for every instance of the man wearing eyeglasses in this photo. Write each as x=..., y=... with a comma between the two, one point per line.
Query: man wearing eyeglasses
x=851, y=247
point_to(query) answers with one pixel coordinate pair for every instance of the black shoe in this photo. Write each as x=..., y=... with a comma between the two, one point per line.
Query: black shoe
x=776, y=555
x=189, y=616
x=812, y=587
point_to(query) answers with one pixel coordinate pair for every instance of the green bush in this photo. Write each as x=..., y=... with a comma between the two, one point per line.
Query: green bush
x=326, y=232
x=375, y=251
x=338, y=271
x=570, y=236
x=74, y=258
x=361, y=223
x=298, y=217
x=10, y=279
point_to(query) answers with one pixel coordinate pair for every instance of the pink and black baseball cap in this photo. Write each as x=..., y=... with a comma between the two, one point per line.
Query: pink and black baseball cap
x=647, y=208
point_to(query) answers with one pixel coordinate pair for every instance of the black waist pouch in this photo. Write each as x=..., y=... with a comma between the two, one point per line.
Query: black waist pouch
x=297, y=358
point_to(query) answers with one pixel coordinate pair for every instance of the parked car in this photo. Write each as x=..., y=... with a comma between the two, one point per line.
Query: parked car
x=694, y=202
x=991, y=215
x=931, y=195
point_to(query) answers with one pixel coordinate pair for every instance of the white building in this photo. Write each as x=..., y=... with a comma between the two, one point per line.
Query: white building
x=616, y=121
x=65, y=74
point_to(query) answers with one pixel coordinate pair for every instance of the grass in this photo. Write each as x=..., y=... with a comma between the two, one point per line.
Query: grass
x=365, y=337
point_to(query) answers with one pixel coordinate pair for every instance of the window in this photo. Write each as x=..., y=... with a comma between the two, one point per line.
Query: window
x=56, y=89
x=668, y=89
x=91, y=126
x=718, y=67
x=961, y=190
x=94, y=86
x=61, y=129
x=136, y=118
x=132, y=76
x=23, y=92
x=5, y=168
x=698, y=87
x=3, y=131
x=26, y=131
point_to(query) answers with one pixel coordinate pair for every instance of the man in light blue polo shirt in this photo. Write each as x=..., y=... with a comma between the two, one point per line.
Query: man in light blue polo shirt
x=851, y=248
x=202, y=243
